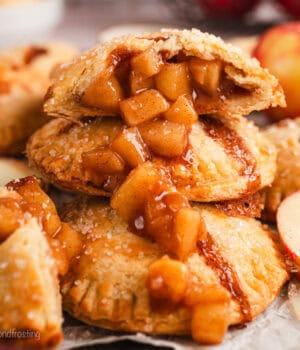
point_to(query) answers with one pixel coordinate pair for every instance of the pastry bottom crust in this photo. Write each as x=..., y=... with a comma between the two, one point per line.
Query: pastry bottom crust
x=106, y=287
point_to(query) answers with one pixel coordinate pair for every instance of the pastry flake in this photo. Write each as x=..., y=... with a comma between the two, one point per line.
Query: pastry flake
x=174, y=63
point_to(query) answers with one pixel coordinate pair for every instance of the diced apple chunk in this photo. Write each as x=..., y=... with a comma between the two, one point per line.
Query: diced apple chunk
x=188, y=228
x=173, y=80
x=209, y=323
x=131, y=147
x=138, y=82
x=182, y=111
x=142, y=107
x=167, y=280
x=70, y=241
x=104, y=93
x=103, y=160
x=207, y=74
x=147, y=63
x=129, y=199
x=171, y=221
x=164, y=138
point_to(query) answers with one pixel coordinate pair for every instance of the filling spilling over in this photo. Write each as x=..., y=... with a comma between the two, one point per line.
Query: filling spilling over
x=146, y=85
x=158, y=97
x=148, y=201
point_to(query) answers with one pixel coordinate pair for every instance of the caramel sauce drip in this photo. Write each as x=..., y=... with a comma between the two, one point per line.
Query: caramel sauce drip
x=235, y=147
x=226, y=274
x=249, y=206
x=119, y=55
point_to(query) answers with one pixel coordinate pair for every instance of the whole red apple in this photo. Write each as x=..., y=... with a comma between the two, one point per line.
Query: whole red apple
x=278, y=49
x=292, y=6
x=227, y=7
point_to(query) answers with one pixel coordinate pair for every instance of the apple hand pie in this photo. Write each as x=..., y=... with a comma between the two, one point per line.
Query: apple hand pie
x=29, y=295
x=143, y=76
x=215, y=159
x=123, y=281
x=286, y=137
x=24, y=79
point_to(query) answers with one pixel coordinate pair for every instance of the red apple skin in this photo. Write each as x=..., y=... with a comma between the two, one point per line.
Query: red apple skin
x=278, y=49
x=290, y=240
x=292, y=7
x=232, y=8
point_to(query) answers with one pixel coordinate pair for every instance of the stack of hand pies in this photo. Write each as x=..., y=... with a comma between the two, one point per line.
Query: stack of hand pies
x=150, y=130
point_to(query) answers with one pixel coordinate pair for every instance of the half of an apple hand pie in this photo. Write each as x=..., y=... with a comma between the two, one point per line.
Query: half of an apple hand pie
x=143, y=76
x=31, y=312
x=215, y=159
x=24, y=79
x=35, y=249
x=124, y=281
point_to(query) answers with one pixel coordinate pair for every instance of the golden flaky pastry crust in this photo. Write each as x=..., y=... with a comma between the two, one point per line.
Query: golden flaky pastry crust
x=263, y=90
x=24, y=79
x=107, y=285
x=29, y=293
x=286, y=137
x=228, y=159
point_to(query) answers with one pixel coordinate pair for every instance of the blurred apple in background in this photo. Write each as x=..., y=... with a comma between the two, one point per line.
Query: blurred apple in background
x=292, y=7
x=278, y=49
x=232, y=8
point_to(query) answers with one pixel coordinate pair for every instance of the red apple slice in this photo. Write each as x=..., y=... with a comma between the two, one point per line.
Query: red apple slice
x=278, y=50
x=288, y=225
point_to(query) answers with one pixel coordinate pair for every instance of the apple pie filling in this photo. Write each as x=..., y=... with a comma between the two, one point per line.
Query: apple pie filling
x=108, y=165
x=148, y=201
x=147, y=85
x=158, y=98
x=171, y=283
